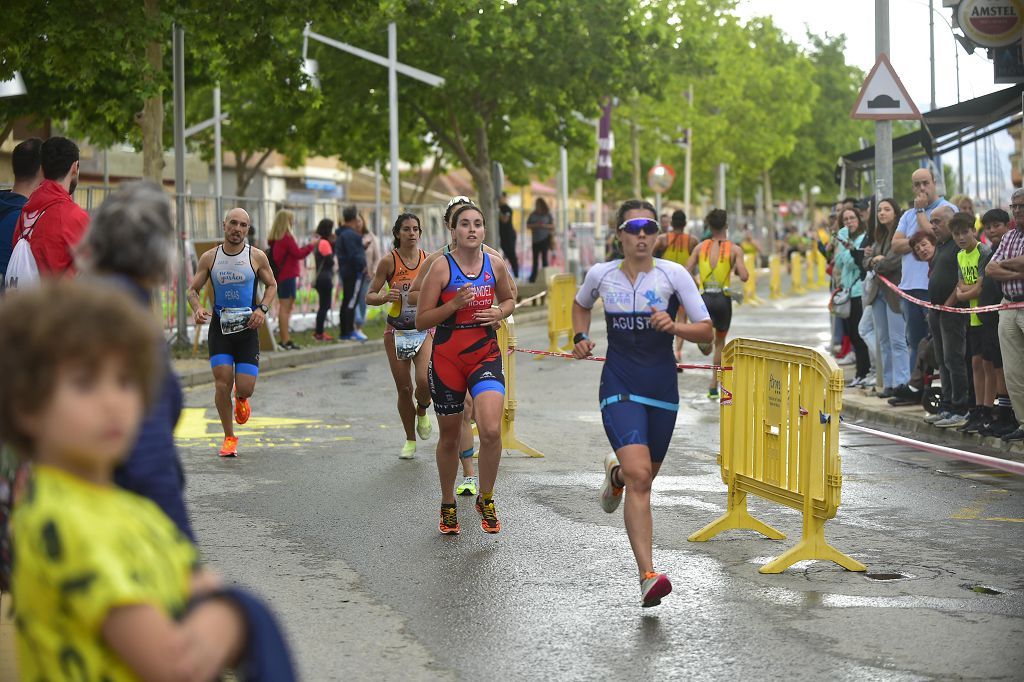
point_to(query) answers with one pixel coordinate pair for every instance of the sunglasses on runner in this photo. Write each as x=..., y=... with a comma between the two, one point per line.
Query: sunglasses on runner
x=459, y=200
x=638, y=225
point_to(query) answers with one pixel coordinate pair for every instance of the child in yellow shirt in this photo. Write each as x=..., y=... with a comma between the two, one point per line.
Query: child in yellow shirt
x=102, y=579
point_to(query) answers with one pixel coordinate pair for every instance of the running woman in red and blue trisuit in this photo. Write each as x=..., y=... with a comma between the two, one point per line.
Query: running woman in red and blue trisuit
x=464, y=297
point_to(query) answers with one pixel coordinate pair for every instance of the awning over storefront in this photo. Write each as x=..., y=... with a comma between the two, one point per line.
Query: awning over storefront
x=944, y=130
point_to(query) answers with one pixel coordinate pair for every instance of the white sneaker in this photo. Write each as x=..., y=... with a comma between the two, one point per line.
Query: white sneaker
x=848, y=359
x=937, y=417
x=408, y=450
x=610, y=495
x=423, y=426
x=853, y=383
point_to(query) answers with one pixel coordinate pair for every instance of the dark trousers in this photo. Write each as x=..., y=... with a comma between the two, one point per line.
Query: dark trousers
x=540, y=251
x=917, y=322
x=508, y=247
x=861, y=348
x=349, y=286
x=949, y=337
x=324, y=289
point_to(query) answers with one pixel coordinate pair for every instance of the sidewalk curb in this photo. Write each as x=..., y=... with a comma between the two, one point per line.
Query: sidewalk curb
x=297, y=358
x=909, y=423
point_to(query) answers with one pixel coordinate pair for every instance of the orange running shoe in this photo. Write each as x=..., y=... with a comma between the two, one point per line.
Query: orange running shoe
x=449, y=524
x=242, y=410
x=230, y=447
x=488, y=517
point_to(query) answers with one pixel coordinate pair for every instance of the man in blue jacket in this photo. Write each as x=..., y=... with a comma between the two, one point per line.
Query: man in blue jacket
x=28, y=174
x=348, y=247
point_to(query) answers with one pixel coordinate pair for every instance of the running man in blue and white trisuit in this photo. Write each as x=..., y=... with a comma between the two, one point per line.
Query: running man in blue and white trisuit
x=639, y=393
x=233, y=269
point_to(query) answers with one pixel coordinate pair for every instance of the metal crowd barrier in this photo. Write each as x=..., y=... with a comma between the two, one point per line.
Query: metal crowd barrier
x=780, y=410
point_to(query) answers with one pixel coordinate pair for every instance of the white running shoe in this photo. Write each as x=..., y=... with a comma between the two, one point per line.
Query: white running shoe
x=653, y=588
x=610, y=495
x=424, y=426
x=408, y=450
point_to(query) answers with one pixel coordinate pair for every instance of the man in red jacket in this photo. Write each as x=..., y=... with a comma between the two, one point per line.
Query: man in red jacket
x=57, y=223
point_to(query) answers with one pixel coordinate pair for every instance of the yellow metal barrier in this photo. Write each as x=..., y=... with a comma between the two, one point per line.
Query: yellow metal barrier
x=509, y=440
x=561, y=292
x=750, y=286
x=780, y=441
x=812, y=271
x=774, y=277
x=819, y=259
x=796, y=270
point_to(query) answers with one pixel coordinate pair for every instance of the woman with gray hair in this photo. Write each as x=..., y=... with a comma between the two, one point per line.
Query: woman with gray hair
x=130, y=245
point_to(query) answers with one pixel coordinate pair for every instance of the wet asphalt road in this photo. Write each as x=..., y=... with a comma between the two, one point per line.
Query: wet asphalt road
x=321, y=518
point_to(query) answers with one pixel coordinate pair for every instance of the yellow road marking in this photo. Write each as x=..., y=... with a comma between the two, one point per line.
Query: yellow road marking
x=974, y=511
x=195, y=425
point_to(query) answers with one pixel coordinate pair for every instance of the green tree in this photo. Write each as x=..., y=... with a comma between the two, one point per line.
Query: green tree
x=506, y=70
x=830, y=132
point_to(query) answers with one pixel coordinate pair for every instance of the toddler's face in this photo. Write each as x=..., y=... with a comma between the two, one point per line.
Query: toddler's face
x=92, y=417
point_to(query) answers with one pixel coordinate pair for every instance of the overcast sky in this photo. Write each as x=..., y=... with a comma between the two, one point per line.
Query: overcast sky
x=908, y=21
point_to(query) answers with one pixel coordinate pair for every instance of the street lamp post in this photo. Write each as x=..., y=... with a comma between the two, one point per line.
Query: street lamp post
x=394, y=68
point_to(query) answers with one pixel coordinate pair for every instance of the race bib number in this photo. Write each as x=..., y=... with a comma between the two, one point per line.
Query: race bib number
x=234, y=320
x=408, y=343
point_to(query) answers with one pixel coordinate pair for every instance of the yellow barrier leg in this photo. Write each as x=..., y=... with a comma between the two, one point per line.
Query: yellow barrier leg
x=509, y=440
x=812, y=546
x=774, y=277
x=750, y=286
x=736, y=517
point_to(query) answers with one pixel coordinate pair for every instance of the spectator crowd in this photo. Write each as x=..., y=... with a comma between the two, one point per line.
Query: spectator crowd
x=905, y=283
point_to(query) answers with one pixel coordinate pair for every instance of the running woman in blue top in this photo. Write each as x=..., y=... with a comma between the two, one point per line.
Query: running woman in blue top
x=639, y=393
x=233, y=268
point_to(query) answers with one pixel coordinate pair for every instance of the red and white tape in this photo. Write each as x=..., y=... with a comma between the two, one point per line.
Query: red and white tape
x=973, y=457
x=947, y=308
x=598, y=358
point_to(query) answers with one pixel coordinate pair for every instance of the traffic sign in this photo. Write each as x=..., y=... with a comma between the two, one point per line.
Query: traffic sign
x=883, y=97
x=660, y=178
x=783, y=208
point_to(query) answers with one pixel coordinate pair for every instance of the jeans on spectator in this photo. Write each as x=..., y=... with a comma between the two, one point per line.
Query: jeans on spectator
x=838, y=331
x=540, y=251
x=350, y=284
x=891, y=330
x=324, y=289
x=361, y=300
x=1011, y=343
x=859, y=347
x=917, y=322
x=866, y=329
x=949, y=337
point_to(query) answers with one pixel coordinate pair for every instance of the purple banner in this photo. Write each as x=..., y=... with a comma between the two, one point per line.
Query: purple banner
x=604, y=141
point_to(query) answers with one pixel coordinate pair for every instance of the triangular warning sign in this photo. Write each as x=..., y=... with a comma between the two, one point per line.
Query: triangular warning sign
x=883, y=97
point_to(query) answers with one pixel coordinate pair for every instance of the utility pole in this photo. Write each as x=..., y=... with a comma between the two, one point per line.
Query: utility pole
x=181, y=335
x=689, y=157
x=883, y=129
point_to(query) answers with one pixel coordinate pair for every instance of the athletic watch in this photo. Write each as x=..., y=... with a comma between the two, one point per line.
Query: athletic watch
x=580, y=337
x=264, y=308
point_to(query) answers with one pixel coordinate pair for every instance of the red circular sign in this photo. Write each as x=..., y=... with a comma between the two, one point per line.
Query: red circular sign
x=660, y=178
